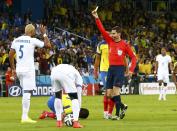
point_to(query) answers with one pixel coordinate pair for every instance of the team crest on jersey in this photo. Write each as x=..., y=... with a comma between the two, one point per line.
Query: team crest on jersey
x=119, y=52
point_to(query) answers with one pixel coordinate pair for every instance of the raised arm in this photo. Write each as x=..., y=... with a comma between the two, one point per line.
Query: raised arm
x=100, y=26
x=46, y=39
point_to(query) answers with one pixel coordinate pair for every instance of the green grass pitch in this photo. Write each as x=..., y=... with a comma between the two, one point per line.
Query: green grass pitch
x=145, y=113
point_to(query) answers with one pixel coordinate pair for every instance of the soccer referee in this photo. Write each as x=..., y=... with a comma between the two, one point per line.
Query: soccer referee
x=118, y=50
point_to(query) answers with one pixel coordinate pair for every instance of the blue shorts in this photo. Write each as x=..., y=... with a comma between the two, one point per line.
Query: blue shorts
x=50, y=103
x=115, y=77
x=103, y=75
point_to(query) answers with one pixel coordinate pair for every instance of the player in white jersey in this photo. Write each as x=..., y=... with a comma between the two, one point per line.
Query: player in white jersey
x=163, y=62
x=66, y=77
x=174, y=74
x=24, y=47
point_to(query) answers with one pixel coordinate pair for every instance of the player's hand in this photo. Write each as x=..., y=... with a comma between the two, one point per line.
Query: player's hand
x=126, y=73
x=14, y=74
x=42, y=29
x=96, y=74
x=155, y=75
x=94, y=13
x=129, y=76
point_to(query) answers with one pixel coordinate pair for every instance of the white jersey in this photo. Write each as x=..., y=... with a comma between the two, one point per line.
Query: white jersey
x=24, y=47
x=70, y=71
x=163, y=64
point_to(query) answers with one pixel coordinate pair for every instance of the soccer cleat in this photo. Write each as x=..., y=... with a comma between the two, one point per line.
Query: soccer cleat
x=109, y=116
x=59, y=124
x=164, y=98
x=160, y=97
x=43, y=115
x=29, y=120
x=76, y=124
x=105, y=115
x=115, y=118
x=122, y=114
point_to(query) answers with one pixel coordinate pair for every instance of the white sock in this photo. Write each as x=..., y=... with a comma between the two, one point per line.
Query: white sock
x=164, y=93
x=105, y=112
x=58, y=108
x=75, y=109
x=25, y=105
x=160, y=92
x=79, y=94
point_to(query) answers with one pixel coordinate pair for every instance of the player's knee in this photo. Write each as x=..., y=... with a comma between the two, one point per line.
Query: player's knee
x=116, y=93
x=160, y=84
x=73, y=96
x=165, y=84
x=58, y=94
x=27, y=91
x=109, y=93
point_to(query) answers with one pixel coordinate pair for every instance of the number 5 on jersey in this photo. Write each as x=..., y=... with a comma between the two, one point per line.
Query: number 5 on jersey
x=21, y=51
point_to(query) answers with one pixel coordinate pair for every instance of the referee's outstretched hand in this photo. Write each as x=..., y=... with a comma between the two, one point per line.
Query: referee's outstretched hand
x=94, y=13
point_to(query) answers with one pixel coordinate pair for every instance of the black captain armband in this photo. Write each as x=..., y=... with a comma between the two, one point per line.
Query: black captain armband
x=73, y=96
x=58, y=94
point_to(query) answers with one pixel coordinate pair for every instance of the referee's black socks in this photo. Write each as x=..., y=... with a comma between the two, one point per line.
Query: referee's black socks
x=118, y=104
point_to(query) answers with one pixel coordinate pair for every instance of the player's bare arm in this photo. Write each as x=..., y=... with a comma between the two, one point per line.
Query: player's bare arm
x=46, y=39
x=11, y=59
x=171, y=67
x=174, y=74
x=96, y=65
x=155, y=70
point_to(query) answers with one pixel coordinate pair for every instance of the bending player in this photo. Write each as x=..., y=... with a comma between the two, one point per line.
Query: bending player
x=23, y=47
x=163, y=62
x=67, y=108
x=66, y=77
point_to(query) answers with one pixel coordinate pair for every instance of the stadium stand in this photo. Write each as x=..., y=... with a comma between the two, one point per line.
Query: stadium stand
x=146, y=28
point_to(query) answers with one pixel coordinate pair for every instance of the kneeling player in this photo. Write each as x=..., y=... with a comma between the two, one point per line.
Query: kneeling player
x=67, y=108
x=66, y=77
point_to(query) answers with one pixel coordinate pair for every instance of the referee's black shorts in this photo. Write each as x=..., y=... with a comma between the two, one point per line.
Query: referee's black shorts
x=115, y=76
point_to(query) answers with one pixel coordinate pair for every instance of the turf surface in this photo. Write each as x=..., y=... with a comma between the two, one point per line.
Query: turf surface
x=145, y=113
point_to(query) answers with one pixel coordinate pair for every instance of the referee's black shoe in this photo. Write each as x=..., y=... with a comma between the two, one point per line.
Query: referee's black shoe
x=122, y=114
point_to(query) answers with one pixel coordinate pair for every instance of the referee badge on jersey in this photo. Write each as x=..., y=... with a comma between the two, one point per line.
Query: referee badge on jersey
x=119, y=52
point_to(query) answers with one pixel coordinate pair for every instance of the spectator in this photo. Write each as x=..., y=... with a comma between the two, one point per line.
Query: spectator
x=43, y=65
x=9, y=79
x=147, y=67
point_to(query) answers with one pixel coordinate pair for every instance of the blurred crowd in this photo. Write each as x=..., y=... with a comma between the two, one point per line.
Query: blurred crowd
x=146, y=31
